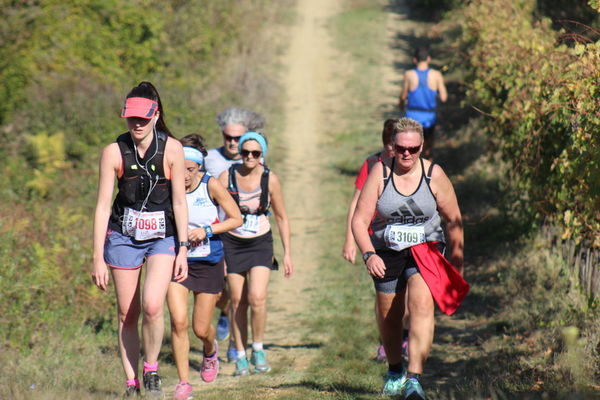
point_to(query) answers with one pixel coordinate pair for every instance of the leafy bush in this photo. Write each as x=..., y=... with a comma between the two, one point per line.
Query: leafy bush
x=542, y=98
x=65, y=67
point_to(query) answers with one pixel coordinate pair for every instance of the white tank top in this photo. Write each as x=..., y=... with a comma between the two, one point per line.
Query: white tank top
x=202, y=210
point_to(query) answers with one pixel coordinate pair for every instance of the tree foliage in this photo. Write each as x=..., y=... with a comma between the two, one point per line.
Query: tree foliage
x=65, y=67
x=542, y=98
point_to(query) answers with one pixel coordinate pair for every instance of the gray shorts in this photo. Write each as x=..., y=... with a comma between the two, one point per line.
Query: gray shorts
x=124, y=252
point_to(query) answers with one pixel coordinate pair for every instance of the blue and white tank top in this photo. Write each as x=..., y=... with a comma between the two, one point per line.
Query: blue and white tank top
x=203, y=211
x=422, y=102
x=404, y=221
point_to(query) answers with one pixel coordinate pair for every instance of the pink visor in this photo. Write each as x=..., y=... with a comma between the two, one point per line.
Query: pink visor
x=140, y=107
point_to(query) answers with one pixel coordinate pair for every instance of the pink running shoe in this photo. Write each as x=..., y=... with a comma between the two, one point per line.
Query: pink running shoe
x=381, y=356
x=210, y=366
x=183, y=391
x=405, y=349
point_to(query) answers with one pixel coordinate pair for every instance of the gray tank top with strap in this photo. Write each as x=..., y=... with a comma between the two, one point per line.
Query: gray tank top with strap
x=395, y=210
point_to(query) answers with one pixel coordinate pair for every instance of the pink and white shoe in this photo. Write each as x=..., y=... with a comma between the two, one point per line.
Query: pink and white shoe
x=210, y=366
x=183, y=391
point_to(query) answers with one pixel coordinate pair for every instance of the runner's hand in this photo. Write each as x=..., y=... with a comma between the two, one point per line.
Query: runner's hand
x=100, y=274
x=180, y=269
x=376, y=266
x=349, y=251
x=197, y=235
x=288, y=267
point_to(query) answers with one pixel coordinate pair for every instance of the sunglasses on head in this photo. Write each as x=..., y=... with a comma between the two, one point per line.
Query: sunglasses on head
x=402, y=149
x=255, y=153
x=229, y=138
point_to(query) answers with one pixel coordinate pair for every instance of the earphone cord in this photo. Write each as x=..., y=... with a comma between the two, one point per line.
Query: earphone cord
x=154, y=182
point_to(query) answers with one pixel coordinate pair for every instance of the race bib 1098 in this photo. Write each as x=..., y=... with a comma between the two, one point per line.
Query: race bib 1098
x=143, y=225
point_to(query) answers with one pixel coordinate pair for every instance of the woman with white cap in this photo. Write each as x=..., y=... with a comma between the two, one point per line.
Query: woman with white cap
x=147, y=223
x=249, y=249
x=205, y=272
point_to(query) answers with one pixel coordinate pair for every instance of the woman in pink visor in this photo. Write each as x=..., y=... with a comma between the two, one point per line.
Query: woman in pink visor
x=146, y=224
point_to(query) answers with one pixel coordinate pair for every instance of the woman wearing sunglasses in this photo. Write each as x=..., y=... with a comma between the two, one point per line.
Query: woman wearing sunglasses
x=249, y=249
x=233, y=123
x=205, y=279
x=403, y=252
x=147, y=223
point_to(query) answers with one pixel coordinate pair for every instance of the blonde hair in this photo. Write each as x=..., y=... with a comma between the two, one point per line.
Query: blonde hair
x=407, y=125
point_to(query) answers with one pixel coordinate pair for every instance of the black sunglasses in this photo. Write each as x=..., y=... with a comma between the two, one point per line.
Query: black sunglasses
x=255, y=153
x=402, y=149
x=231, y=138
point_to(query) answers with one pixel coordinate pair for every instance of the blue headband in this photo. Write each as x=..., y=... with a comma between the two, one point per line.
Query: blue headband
x=254, y=136
x=193, y=154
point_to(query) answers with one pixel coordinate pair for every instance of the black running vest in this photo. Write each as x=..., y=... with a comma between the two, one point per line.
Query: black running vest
x=136, y=182
x=232, y=188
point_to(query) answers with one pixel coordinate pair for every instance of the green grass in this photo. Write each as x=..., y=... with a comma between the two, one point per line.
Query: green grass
x=500, y=345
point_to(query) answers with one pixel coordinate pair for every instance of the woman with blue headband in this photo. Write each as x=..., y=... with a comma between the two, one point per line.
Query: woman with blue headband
x=249, y=248
x=205, y=196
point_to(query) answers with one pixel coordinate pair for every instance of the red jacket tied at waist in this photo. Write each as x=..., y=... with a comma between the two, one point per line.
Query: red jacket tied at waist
x=447, y=286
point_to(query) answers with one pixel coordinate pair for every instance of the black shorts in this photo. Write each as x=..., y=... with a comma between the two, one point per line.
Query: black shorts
x=205, y=278
x=396, y=262
x=399, y=267
x=241, y=254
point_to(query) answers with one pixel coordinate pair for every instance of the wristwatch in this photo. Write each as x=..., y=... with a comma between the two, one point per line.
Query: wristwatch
x=184, y=244
x=367, y=255
x=208, y=230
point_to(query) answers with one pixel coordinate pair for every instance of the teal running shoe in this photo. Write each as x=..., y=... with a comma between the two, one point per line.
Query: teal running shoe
x=259, y=361
x=241, y=367
x=394, y=383
x=413, y=390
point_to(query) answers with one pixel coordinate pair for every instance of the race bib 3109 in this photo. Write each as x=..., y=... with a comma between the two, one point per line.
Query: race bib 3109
x=399, y=237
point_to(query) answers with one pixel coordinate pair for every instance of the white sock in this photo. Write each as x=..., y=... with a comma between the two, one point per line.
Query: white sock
x=257, y=346
x=241, y=354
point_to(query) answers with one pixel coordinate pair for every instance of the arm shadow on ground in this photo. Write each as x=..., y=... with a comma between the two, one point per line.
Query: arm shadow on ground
x=341, y=389
x=314, y=345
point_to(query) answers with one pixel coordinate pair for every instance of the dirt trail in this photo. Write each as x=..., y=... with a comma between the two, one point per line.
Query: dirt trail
x=289, y=344
x=308, y=72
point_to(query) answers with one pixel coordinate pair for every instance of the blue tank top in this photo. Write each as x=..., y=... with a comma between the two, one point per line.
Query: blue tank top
x=422, y=102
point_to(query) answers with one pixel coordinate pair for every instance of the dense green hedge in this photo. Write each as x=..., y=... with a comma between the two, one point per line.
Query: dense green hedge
x=65, y=67
x=541, y=95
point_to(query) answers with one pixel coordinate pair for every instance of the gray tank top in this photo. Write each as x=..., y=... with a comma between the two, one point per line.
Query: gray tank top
x=417, y=210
